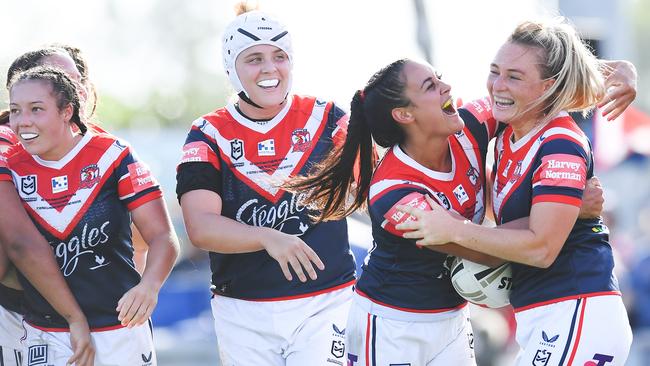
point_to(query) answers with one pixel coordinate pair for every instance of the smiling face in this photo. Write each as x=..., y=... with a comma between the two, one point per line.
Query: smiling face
x=432, y=106
x=40, y=125
x=265, y=74
x=515, y=84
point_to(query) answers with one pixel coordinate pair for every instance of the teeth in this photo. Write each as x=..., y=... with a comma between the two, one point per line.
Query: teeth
x=447, y=103
x=28, y=135
x=268, y=83
x=503, y=101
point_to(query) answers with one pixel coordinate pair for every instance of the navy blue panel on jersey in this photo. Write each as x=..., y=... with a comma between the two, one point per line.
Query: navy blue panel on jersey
x=552, y=164
x=253, y=159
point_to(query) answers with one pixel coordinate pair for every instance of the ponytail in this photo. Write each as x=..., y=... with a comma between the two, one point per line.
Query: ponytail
x=4, y=117
x=334, y=179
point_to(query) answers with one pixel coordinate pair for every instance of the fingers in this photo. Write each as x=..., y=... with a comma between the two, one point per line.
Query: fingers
x=408, y=225
x=135, y=308
x=595, y=182
x=417, y=213
x=285, y=270
x=124, y=307
x=82, y=356
x=297, y=268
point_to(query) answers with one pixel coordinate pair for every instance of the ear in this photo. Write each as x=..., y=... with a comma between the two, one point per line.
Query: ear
x=402, y=115
x=67, y=112
x=547, y=84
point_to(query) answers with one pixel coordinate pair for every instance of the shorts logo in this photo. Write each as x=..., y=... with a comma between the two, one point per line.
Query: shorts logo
x=541, y=357
x=37, y=355
x=28, y=184
x=147, y=359
x=89, y=176
x=338, y=348
x=600, y=360
x=300, y=140
x=337, y=330
x=548, y=341
x=236, y=149
x=352, y=359
x=60, y=184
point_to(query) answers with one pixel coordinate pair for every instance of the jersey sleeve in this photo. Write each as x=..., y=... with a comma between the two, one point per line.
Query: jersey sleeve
x=341, y=119
x=7, y=140
x=478, y=118
x=384, y=208
x=560, y=172
x=199, y=167
x=136, y=184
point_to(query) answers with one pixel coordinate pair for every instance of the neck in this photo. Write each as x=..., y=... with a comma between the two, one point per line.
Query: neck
x=432, y=153
x=265, y=113
x=63, y=148
x=521, y=129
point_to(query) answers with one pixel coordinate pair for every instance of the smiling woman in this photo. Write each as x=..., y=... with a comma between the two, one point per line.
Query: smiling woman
x=91, y=233
x=259, y=236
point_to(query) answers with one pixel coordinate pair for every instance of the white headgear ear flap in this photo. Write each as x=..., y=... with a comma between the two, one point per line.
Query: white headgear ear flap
x=247, y=30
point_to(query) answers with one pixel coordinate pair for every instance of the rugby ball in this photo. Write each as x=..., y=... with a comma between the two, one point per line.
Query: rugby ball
x=480, y=284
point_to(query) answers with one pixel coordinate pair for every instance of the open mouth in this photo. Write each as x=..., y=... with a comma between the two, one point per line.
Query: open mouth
x=448, y=107
x=27, y=136
x=503, y=102
x=268, y=84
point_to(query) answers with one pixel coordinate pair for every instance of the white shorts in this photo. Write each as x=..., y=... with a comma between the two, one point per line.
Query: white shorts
x=378, y=341
x=591, y=331
x=117, y=347
x=307, y=331
x=11, y=330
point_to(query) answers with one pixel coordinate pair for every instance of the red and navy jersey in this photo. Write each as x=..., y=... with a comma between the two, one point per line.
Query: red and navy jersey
x=81, y=205
x=552, y=164
x=250, y=160
x=10, y=299
x=396, y=272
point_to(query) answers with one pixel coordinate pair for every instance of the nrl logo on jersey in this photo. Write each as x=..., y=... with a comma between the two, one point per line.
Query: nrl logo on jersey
x=28, y=185
x=236, y=149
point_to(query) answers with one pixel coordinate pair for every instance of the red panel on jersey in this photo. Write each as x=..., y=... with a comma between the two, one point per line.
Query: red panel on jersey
x=140, y=177
x=394, y=216
x=563, y=170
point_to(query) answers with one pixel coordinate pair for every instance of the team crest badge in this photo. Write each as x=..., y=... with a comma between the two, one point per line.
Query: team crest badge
x=444, y=201
x=541, y=357
x=37, y=355
x=89, y=176
x=473, y=176
x=28, y=184
x=517, y=173
x=236, y=149
x=300, y=140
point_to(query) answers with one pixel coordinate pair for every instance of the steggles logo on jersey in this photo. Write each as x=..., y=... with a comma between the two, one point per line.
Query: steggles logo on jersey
x=28, y=184
x=300, y=140
x=60, y=184
x=236, y=149
x=266, y=148
x=275, y=217
x=89, y=176
x=69, y=253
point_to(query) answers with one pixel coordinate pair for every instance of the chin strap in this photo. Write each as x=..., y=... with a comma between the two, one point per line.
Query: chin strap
x=248, y=100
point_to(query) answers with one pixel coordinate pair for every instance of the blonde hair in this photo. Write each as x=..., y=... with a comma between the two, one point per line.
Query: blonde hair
x=246, y=6
x=579, y=84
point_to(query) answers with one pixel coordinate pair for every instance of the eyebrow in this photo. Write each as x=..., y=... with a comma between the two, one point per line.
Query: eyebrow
x=429, y=79
x=34, y=102
x=511, y=70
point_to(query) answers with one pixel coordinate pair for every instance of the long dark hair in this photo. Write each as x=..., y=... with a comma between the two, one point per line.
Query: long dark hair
x=331, y=181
